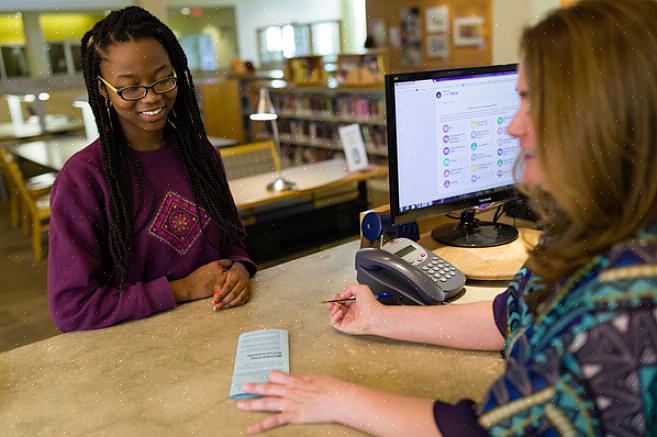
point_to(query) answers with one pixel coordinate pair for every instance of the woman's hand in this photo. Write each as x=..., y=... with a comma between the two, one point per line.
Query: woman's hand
x=232, y=288
x=304, y=399
x=360, y=316
x=201, y=282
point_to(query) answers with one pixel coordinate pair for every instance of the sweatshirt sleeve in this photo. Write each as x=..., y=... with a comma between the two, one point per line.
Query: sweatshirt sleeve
x=78, y=264
x=458, y=420
x=237, y=252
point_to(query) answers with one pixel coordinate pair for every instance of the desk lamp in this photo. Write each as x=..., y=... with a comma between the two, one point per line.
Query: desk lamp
x=266, y=112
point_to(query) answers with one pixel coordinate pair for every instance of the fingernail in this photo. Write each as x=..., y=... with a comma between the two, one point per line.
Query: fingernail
x=241, y=405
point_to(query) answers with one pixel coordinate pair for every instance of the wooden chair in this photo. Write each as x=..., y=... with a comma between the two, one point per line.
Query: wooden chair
x=250, y=159
x=38, y=186
x=36, y=209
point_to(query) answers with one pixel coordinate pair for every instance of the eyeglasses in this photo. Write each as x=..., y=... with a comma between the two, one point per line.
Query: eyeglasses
x=132, y=93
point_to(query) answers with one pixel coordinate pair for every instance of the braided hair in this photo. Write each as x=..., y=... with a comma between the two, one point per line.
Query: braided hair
x=203, y=164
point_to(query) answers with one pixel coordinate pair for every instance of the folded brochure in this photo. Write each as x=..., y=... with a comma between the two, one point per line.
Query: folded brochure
x=258, y=353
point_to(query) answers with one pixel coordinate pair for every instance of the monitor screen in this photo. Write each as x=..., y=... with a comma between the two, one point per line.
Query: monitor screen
x=448, y=144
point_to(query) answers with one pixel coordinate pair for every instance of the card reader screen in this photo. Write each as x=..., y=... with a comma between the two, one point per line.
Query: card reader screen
x=405, y=251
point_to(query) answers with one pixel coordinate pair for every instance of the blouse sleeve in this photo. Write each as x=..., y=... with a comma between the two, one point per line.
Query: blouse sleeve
x=78, y=295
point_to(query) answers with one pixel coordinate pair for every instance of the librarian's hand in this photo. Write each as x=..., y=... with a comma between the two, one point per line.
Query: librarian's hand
x=357, y=316
x=232, y=288
x=304, y=399
x=200, y=283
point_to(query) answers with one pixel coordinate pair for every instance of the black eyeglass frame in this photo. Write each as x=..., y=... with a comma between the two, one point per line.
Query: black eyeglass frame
x=152, y=86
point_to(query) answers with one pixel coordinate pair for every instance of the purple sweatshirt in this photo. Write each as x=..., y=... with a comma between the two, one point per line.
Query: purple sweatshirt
x=169, y=242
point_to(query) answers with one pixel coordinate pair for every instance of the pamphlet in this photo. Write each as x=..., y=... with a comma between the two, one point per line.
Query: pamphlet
x=258, y=353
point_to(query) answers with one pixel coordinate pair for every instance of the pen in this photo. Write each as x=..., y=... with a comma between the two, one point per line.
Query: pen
x=379, y=296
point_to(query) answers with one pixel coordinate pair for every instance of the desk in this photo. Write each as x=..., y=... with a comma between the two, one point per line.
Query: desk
x=251, y=192
x=170, y=374
x=324, y=208
x=53, y=153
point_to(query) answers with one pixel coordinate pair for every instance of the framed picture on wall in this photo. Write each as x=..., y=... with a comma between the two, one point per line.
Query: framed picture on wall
x=437, y=19
x=438, y=46
x=377, y=30
x=469, y=31
x=411, y=36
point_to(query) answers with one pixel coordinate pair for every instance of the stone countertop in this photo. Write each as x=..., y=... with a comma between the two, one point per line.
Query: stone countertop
x=170, y=374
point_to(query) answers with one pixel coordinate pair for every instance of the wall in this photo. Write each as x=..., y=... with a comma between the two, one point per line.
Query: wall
x=66, y=26
x=509, y=18
x=390, y=11
x=218, y=22
x=253, y=14
x=11, y=29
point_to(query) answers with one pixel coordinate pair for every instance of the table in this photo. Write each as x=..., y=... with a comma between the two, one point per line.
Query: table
x=251, y=192
x=53, y=153
x=170, y=374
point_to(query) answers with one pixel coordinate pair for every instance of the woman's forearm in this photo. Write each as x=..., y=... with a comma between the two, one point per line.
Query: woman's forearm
x=462, y=326
x=386, y=414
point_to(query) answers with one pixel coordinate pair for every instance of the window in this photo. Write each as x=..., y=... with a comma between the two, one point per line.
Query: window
x=14, y=62
x=57, y=58
x=326, y=38
x=64, y=57
x=276, y=43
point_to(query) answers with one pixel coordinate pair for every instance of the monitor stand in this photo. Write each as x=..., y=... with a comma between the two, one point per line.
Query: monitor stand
x=470, y=232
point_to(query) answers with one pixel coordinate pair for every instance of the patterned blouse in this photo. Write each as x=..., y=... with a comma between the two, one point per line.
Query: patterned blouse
x=586, y=365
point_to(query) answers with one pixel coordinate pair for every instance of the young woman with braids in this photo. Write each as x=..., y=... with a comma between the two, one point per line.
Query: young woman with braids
x=142, y=218
x=578, y=324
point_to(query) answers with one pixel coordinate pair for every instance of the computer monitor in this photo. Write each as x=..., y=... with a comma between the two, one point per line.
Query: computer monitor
x=449, y=149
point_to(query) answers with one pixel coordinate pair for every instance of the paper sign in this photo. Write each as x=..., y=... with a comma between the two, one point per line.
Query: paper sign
x=354, y=148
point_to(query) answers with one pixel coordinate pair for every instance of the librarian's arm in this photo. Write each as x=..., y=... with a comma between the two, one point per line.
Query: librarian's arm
x=321, y=399
x=464, y=326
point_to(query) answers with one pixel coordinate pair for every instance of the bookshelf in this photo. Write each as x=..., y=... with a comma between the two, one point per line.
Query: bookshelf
x=362, y=70
x=309, y=118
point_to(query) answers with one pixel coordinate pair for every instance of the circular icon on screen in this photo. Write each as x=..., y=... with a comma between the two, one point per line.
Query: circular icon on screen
x=446, y=151
x=499, y=173
x=500, y=131
x=446, y=139
x=500, y=163
x=446, y=184
x=445, y=128
x=446, y=173
x=446, y=162
x=473, y=178
x=473, y=146
x=500, y=120
x=473, y=134
x=499, y=152
x=499, y=142
x=439, y=95
x=473, y=157
x=474, y=168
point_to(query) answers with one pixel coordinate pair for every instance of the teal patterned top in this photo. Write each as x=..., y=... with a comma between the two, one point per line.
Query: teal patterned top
x=586, y=365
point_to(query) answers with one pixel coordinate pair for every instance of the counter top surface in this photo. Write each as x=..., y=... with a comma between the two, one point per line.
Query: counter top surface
x=170, y=374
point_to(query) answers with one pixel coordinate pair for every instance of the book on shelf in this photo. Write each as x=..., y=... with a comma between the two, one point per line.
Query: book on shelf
x=365, y=69
x=306, y=70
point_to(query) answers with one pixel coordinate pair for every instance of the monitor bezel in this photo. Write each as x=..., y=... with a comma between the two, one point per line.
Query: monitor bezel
x=485, y=197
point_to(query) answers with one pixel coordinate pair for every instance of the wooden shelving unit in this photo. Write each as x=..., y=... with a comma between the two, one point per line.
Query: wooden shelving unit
x=309, y=118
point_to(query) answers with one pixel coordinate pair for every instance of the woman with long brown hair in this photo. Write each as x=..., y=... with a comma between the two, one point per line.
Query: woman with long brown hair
x=578, y=324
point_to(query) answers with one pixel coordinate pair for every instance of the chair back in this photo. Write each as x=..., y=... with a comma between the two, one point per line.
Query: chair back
x=12, y=173
x=250, y=159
